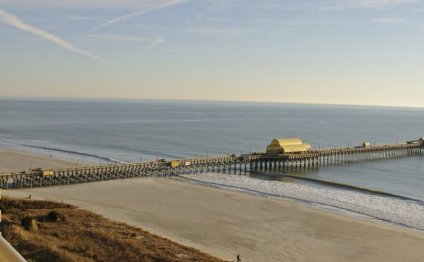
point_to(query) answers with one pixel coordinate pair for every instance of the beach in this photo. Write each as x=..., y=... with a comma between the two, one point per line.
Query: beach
x=12, y=160
x=225, y=223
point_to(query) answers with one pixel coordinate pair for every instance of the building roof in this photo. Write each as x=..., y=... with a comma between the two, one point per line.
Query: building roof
x=287, y=145
x=286, y=141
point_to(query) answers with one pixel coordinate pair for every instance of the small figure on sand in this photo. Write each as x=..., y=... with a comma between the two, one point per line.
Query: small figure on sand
x=238, y=258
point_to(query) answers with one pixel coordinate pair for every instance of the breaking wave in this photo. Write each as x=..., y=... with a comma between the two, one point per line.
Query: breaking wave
x=371, y=204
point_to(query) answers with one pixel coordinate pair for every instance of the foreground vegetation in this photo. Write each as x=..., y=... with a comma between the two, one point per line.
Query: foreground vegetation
x=49, y=231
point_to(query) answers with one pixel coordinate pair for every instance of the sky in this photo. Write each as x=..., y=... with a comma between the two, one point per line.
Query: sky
x=361, y=52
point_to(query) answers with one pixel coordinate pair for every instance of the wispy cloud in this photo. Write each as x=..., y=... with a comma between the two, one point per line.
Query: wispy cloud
x=294, y=24
x=114, y=37
x=397, y=21
x=367, y=4
x=147, y=7
x=77, y=4
x=317, y=22
x=220, y=31
x=329, y=22
x=16, y=22
x=381, y=3
x=156, y=42
x=76, y=17
x=386, y=20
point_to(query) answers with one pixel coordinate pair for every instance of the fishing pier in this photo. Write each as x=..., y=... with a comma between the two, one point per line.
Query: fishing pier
x=280, y=154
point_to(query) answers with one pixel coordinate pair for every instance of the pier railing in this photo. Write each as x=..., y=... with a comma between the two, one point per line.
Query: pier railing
x=227, y=163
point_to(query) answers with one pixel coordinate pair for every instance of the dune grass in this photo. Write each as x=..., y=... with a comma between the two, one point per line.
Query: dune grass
x=49, y=231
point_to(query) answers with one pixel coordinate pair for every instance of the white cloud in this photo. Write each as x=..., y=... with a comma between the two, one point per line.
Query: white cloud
x=336, y=23
x=367, y=4
x=380, y=3
x=16, y=22
x=76, y=17
x=294, y=24
x=385, y=20
x=146, y=7
x=156, y=42
x=115, y=37
x=220, y=31
x=71, y=3
x=396, y=21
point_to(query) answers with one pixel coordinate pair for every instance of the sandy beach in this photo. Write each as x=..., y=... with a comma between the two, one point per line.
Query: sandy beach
x=225, y=223
x=11, y=160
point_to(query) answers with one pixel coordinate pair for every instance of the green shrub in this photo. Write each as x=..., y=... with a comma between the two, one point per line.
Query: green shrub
x=55, y=216
x=29, y=223
x=3, y=208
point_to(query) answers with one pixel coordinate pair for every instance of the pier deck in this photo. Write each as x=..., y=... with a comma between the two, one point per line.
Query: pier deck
x=228, y=163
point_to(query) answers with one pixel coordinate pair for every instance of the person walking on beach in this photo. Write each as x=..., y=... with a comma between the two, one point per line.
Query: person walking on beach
x=238, y=258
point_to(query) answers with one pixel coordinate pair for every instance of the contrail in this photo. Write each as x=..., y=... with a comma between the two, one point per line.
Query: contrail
x=15, y=21
x=147, y=9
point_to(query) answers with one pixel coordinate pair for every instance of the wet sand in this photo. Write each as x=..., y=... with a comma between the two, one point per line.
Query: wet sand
x=226, y=223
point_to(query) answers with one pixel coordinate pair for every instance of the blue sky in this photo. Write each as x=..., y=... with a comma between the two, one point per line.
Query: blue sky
x=339, y=52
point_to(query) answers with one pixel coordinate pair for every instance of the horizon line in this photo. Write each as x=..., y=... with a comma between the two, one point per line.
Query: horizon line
x=41, y=98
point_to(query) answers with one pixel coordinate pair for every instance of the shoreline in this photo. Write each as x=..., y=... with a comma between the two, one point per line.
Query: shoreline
x=378, y=208
x=225, y=223
x=12, y=160
x=309, y=204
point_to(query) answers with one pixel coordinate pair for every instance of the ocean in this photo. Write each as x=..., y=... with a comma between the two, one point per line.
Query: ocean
x=114, y=131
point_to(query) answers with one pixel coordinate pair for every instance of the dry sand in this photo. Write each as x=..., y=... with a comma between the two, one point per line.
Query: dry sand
x=11, y=160
x=226, y=223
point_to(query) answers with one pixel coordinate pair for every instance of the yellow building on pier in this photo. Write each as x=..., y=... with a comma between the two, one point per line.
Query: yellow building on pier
x=287, y=145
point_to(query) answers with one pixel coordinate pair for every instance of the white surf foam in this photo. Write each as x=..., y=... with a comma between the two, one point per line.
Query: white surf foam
x=408, y=213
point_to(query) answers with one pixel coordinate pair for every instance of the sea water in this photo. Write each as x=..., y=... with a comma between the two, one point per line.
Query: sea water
x=95, y=131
